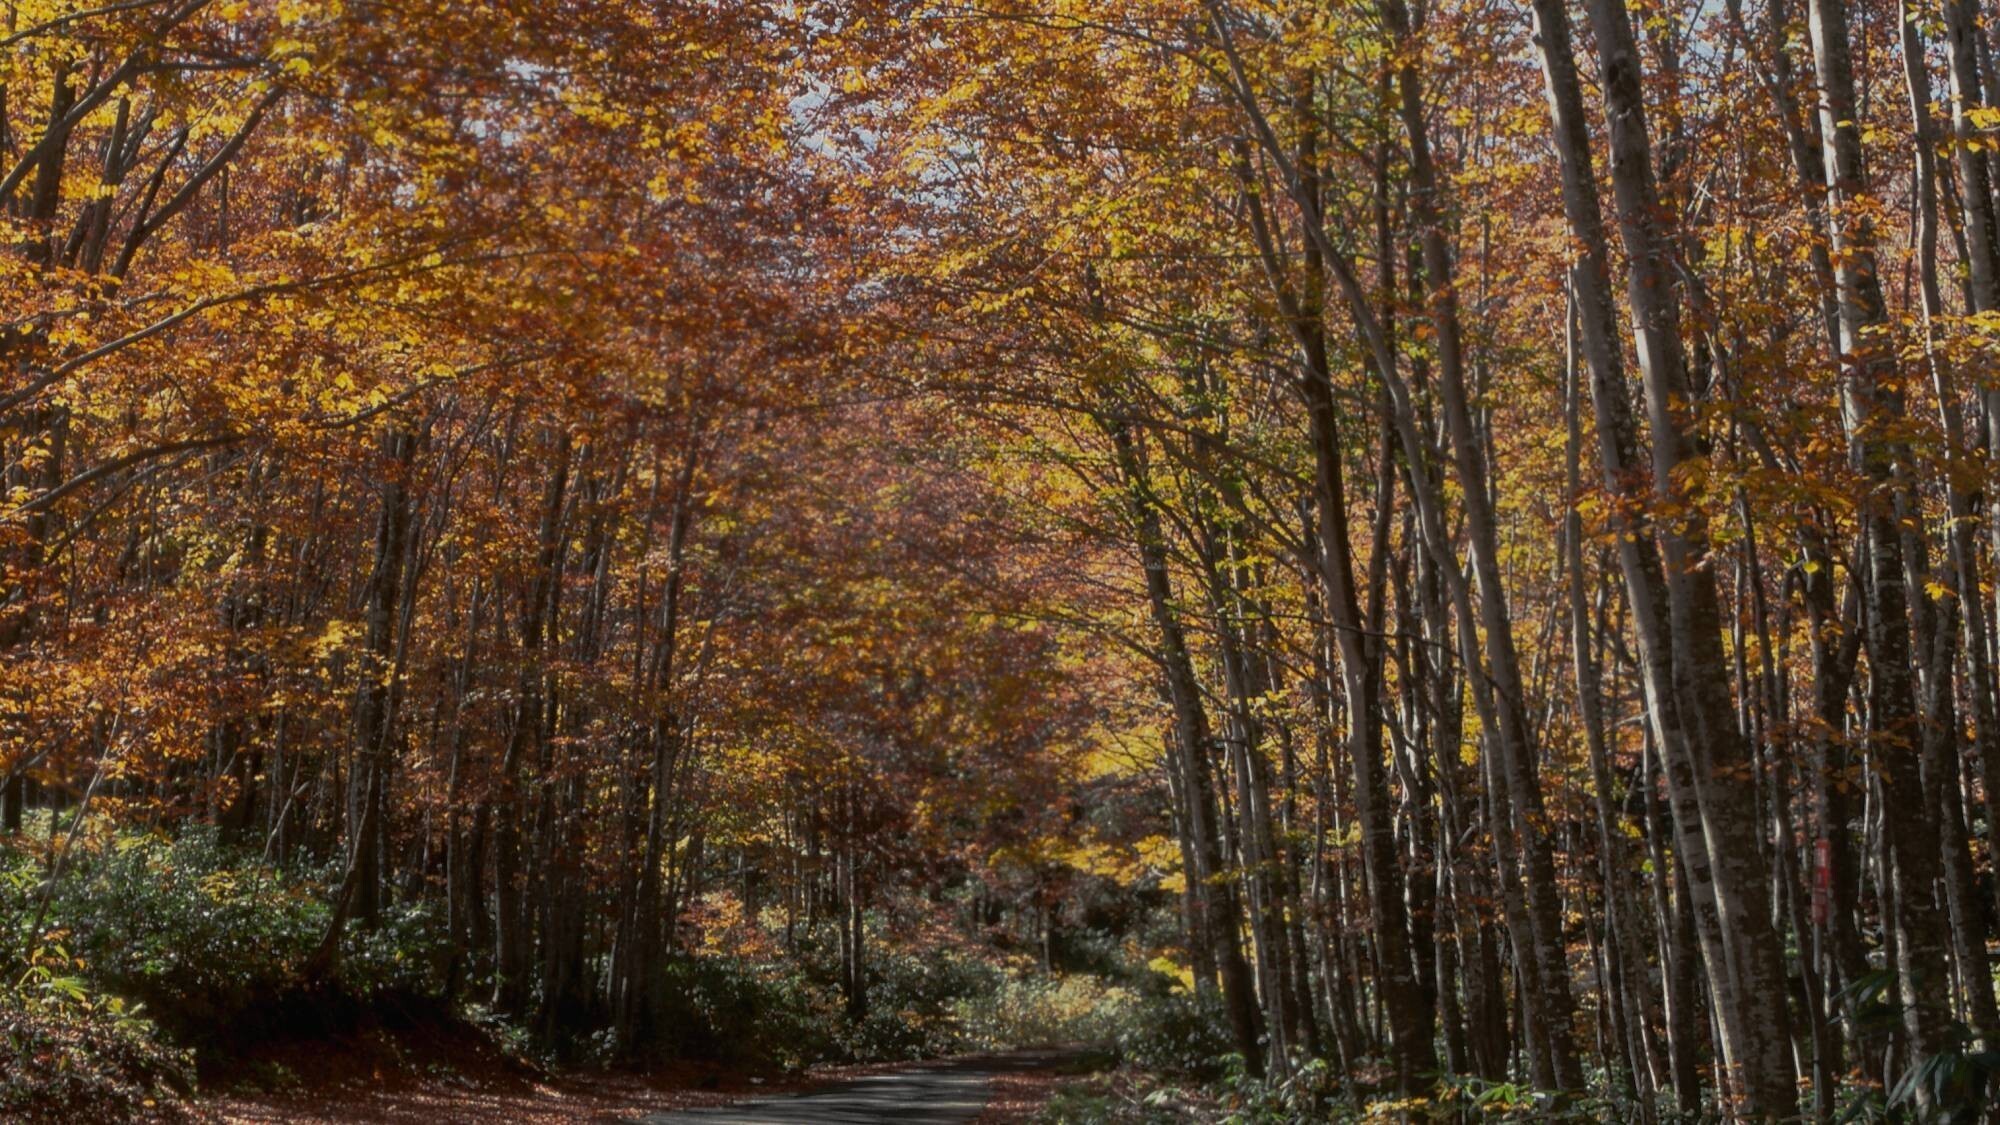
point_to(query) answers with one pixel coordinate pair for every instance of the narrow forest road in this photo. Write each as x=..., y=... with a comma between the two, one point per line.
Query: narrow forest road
x=945, y=1093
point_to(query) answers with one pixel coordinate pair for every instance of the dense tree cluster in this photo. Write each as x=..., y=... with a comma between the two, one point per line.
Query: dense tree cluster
x=433, y=446
x=1550, y=449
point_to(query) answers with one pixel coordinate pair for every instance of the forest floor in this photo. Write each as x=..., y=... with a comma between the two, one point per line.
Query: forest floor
x=377, y=1078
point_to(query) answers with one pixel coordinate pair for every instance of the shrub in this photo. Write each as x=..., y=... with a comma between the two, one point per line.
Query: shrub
x=1306, y=1095
x=1048, y=1012
x=403, y=955
x=70, y=1054
x=1077, y=1106
x=727, y=1010
x=789, y=1015
x=1117, y=1101
x=213, y=941
x=176, y=926
x=1176, y=1033
x=914, y=999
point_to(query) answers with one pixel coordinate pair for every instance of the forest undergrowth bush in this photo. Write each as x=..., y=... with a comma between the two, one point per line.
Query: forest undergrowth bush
x=1178, y=1034
x=213, y=942
x=924, y=1000
x=787, y=1013
x=1177, y=1063
x=146, y=955
x=69, y=1052
x=744, y=1013
x=1039, y=1011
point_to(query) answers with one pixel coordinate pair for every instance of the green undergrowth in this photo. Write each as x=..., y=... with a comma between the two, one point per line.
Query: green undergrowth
x=71, y=1053
x=150, y=960
x=212, y=943
x=156, y=964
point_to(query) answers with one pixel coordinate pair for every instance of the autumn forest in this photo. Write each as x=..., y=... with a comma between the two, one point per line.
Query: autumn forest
x=1310, y=560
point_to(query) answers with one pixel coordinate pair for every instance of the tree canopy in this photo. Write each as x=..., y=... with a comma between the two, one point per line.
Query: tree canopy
x=1469, y=516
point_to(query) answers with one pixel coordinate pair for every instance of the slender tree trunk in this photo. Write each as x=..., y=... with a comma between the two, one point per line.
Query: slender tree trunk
x=359, y=895
x=514, y=953
x=1870, y=408
x=1221, y=912
x=1551, y=1000
x=1673, y=597
x=1636, y=1014
x=1938, y=618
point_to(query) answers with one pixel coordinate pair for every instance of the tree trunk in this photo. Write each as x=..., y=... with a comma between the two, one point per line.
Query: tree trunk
x=1870, y=407
x=1673, y=597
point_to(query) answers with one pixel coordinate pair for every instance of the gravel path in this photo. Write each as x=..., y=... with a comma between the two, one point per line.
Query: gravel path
x=949, y=1093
